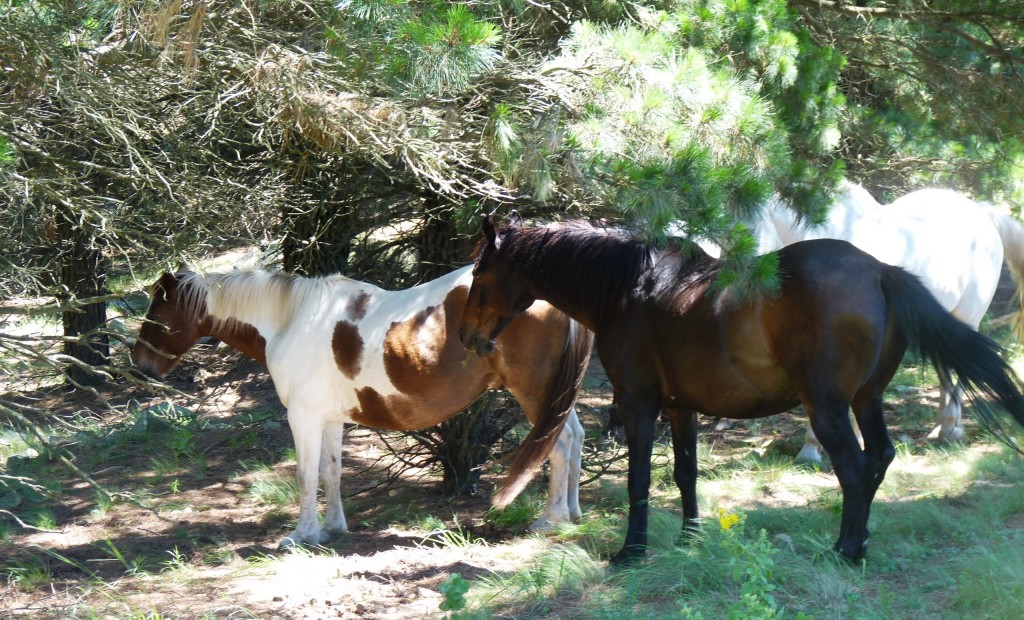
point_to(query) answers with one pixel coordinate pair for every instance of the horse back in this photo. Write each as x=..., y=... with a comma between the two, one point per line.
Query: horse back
x=392, y=359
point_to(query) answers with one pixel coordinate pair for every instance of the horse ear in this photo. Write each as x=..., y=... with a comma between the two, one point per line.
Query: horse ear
x=167, y=280
x=489, y=233
x=166, y=284
x=514, y=219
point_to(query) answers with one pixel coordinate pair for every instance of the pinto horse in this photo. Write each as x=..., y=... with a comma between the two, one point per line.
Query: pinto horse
x=831, y=337
x=955, y=246
x=340, y=350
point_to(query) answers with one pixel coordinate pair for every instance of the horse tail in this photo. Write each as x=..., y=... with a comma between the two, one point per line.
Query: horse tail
x=945, y=342
x=560, y=400
x=1012, y=234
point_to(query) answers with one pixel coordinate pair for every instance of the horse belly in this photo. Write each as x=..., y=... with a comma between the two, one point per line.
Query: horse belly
x=730, y=390
x=728, y=372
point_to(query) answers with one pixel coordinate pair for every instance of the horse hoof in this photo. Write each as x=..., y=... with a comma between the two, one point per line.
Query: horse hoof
x=690, y=535
x=855, y=556
x=541, y=525
x=287, y=543
x=809, y=455
x=953, y=434
x=627, y=556
x=293, y=541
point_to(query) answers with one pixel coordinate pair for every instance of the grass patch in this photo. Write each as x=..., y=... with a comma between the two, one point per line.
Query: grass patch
x=26, y=572
x=777, y=561
x=991, y=582
x=275, y=490
x=518, y=515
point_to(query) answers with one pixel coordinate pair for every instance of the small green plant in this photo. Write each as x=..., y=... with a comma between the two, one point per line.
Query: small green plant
x=103, y=504
x=275, y=491
x=43, y=519
x=453, y=590
x=455, y=538
x=178, y=561
x=26, y=573
x=752, y=566
x=132, y=566
x=245, y=442
x=163, y=466
x=518, y=515
x=183, y=442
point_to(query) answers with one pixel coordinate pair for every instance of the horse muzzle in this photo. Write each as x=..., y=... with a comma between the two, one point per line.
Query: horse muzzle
x=476, y=342
x=145, y=363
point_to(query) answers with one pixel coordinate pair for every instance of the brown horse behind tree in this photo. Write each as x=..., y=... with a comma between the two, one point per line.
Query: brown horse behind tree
x=831, y=337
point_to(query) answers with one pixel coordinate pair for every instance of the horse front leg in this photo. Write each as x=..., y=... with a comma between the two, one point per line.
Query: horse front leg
x=638, y=419
x=330, y=477
x=307, y=431
x=684, y=444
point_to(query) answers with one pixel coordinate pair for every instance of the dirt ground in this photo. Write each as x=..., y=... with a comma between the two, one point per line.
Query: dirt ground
x=207, y=550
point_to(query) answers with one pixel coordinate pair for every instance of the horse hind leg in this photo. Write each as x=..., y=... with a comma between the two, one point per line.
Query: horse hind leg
x=574, y=462
x=813, y=452
x=564, y=484
x=949, y=426
x=878, y=448
x=831, y=422
x=330, y=477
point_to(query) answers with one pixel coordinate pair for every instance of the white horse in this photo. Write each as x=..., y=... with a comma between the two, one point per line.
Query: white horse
x=953, y=244
x=340, y=350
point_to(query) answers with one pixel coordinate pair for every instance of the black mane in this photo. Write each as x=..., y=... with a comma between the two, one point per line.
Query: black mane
x=605, y=266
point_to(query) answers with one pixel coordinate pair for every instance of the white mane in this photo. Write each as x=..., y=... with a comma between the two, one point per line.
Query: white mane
x=254, y=296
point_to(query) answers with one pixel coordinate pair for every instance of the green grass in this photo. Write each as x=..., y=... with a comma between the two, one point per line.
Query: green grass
x=274, y=490
x=455, y=537
x=26, y=572
x=518, y=515
x=991, y=582
x=947, y=534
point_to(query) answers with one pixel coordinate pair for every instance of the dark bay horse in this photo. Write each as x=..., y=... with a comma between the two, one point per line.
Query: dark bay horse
x=340, y=350
x=831, y=337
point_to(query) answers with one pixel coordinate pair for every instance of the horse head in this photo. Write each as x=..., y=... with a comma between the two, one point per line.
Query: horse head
x=171, y=327
x=496, y=296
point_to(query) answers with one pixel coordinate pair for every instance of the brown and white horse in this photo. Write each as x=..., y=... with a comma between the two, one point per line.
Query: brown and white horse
x=340, y=350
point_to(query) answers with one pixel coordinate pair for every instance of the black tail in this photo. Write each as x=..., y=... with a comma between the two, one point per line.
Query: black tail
x=945, y=342
x=559, y=401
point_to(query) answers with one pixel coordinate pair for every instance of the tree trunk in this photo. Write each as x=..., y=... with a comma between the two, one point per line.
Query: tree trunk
x=319, y=225
x=317, y=241
x=468, y=441
x=442, y=248
x=83, y=275
x=467, y=438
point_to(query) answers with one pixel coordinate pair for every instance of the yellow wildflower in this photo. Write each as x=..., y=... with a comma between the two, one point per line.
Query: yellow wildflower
x=727, y=519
